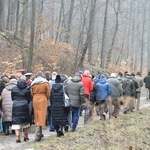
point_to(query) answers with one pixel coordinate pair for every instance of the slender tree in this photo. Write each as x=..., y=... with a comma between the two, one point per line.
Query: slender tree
x=2, y=15
x=32, y=36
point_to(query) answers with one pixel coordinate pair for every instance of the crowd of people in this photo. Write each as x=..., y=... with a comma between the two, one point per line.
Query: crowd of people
x=40, y=101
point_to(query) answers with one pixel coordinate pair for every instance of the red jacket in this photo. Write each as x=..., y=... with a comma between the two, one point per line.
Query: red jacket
x=87, y=83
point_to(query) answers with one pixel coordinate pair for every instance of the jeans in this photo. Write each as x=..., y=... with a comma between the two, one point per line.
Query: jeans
x=75, y=117
x=50, y=120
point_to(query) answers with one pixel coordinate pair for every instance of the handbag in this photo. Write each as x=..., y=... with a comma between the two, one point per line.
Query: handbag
x=67, y=101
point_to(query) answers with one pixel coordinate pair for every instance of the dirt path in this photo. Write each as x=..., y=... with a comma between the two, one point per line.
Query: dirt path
x=8, y=142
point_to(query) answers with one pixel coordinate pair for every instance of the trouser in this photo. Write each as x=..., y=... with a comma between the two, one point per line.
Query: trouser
x=38, y=132
x=50, y=119
x=138, y=95
x=129, y=104
x=75, y=117
x=86, y=108
x=115, y=102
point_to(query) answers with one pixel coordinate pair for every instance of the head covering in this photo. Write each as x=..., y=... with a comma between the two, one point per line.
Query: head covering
x=54, y=74
x=58, y=79
x=23, y=77
x=120, y=74
x=132, y=74
x=128, y=74
x=101, y=76
x=113, y=75
x=28, y=74
x=87, y=72
x=13, y=81
x=40, y=73
x=5, y=79
x=138, y=73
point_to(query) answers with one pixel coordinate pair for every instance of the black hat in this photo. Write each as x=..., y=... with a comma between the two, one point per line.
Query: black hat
x=132, y=74
x=58, y=79
x=138, y=73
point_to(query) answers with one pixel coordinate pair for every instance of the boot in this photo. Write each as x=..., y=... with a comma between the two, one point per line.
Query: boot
x=18, y=139
x=26, y=135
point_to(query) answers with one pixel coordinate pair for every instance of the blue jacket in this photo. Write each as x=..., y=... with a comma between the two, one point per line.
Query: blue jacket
x=103, y=89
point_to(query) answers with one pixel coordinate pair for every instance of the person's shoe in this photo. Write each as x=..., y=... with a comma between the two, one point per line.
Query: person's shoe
x=51, y=130
x=37, y=140
x=26, y=139
x=125, y=112
x=73, y=130
x=66, y=128
x=58, y=134
x=18, y=141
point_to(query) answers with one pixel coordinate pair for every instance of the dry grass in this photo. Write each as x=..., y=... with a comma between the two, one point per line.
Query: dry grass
x=131, y=131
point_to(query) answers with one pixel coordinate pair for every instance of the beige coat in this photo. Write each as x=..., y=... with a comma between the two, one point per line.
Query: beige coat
x=41, y=95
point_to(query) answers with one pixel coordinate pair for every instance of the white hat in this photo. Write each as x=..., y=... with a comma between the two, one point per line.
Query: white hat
x=13, y=81
x=113, y=75
x=28, y=74
x=54, y=74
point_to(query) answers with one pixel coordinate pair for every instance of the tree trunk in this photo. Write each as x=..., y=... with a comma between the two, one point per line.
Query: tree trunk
x=2, y=15
x=113, y=39
x=17, y=19
x=32, y=37
x=69, y=21
x=88, y=38
x=142, y=40
x=22, y=34
x=104, y=37
x=8, y=15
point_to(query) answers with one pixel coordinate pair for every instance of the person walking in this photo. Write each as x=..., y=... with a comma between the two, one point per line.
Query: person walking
x=103, y=91
x=7, y=105
x=147, y=84
x=40, y=91
x=21, y=97
x=59, y=112
x=138, y=91
x=88, y=87
x=75, y=91
x=116, y=92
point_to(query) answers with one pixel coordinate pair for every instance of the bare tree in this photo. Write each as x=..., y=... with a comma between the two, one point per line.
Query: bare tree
x=2, y=15
x=32, y=36
x=104, y=36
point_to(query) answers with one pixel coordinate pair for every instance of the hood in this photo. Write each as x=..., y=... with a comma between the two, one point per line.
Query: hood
x=10, y=86
x=103, y=80
x=76, y=79
x=57, y=87
x=21, y=84
x=85, y=75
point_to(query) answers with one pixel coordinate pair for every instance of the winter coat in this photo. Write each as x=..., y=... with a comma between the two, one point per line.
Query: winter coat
x=140, y=83
x=103, y=90
x=147, y=81
x=87, y=83
x=40, y=90
x=75, y=91
x=59, y=113
x=128, y=87
x=7, y=103
x=21, y=97
x=116, y=87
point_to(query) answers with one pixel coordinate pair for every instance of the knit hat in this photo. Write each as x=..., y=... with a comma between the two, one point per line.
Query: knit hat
x=54, y=74
x=40, y=73
x=87, y=72
x=13, y=81
x=5, y=79
x=113, y=75
x=58, y=79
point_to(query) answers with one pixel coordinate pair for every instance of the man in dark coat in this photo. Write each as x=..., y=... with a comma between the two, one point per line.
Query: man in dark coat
x=147, y=83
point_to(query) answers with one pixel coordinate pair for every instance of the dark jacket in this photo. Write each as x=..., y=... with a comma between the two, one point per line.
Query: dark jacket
x=59, y=113
x=21, y=97
x=128, y=87
x=147, y=81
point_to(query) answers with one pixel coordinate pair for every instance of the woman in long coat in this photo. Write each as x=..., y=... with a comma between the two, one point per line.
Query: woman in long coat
x=21, y=97
x=59, y=113
x=40, y=90
x=7, y=105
